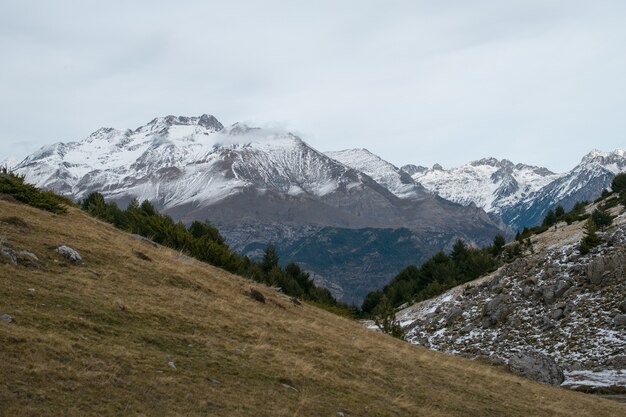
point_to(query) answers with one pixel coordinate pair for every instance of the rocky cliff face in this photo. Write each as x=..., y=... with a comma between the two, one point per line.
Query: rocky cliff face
x=553, y=303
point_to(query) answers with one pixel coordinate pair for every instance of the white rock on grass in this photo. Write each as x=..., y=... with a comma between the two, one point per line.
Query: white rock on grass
x=71, y=254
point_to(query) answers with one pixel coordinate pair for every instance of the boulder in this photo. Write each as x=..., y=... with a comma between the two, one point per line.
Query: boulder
x=547, y=293
x=453, y=314
x=497, y=309
x=70, y=254
x=7, y=255
x=536, y=366
x=619, y=320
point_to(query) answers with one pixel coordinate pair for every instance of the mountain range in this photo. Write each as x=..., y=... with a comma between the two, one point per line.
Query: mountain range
x=350, y=218
x=520, y=194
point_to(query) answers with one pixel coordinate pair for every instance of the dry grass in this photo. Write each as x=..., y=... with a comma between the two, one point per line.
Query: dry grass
x=96, y=340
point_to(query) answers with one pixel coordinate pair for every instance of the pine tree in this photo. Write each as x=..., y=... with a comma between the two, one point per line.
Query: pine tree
x=385, y=319
x=550, y=218
x=270, y=259
x=619, y=183
x=498, y=244
x=590, y=240
x=601, y=218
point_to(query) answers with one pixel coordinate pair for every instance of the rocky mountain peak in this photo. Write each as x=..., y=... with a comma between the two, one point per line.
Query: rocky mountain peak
x=163, y=124
x=618, y=156
x=414, y=169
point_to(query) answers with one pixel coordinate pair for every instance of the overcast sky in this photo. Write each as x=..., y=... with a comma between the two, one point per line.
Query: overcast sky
x=447, y=81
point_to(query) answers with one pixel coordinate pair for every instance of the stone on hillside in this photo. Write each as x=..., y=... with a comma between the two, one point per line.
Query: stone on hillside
x=619, y=320
x=453, y=314
x=7, y=255
x=561, y=287
x=602, y=268
x=536, y=366
x=26, y=258
x=622, y=306
x=547, y=294
x=145, y=239
x=7, y=318
x=557, y=314
x=497, y=309
x=256, y=295
x=71, y=254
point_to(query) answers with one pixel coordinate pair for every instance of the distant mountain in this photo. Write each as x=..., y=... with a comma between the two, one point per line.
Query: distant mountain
x=9, y=162
x=394, y=179
x=520, y=194
x=585, y=182
x=260, y=186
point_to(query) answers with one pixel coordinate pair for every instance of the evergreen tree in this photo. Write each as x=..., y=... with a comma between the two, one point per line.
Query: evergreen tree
x=601, y=218
x=550, y=218
x=385, y=319
x=590, y=238
x=559, y=212
x=270, y=258
x=459, y=251
x=498, y=244
x=619, y=183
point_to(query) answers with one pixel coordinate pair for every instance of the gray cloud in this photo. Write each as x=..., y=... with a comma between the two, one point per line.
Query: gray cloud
x=413, y=81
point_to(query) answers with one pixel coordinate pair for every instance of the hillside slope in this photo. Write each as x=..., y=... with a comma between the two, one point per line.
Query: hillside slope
x=554, y=301
x=138, y=330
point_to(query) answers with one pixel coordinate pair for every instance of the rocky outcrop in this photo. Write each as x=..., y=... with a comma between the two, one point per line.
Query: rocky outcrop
x=536, y=366
x=555, y=305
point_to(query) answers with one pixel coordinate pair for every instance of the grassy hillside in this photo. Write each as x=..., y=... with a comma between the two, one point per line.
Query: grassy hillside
x=96, y=339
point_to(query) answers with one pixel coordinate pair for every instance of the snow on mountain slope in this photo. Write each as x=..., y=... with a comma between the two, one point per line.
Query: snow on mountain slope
x=9, y=162
x=584, y=182
x=488, y=183
x=176, y=160
x=386, y=174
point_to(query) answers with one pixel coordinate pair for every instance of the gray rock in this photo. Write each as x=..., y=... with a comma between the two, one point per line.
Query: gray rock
x=467, y=329
x=547, y=294
x=557, y=314
x=497, y=309
x=145, y=239
x=602, y=268
x=71, y=254
x=536, y=366
x=453, y=314
x=622, y=306
x=7, y=318
x=619, y=320
x=8, y=255
x=561, y=287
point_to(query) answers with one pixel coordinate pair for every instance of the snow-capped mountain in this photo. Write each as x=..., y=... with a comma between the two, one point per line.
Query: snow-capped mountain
x=178, y=160
x=520, y=194
x=9, y=162
x=394, y=179
x=488, y=183
x=260, y=186
x=585, y=182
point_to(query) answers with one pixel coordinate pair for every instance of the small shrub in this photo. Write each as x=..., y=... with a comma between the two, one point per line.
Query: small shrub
x=14, y=221
x=15, y=186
